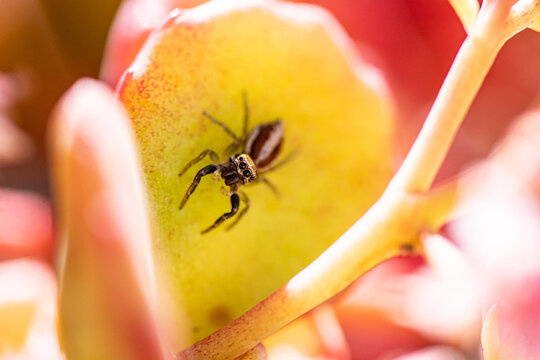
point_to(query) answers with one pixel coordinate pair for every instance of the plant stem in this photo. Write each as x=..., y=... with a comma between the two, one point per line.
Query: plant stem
x=257, y=353
x=463, y=81
x=467, y=11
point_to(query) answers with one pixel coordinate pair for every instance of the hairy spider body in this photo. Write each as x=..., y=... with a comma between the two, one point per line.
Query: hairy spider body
x=259, y=152
x=240, y=169
x=264, y=143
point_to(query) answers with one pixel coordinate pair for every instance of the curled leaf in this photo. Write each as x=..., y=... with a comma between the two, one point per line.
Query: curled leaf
x=107, y=285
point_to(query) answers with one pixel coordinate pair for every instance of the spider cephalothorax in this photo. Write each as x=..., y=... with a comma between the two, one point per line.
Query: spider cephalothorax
x=241, y=168
x=260, y=149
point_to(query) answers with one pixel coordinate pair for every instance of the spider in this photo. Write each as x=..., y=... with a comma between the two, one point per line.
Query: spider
x=259, y=151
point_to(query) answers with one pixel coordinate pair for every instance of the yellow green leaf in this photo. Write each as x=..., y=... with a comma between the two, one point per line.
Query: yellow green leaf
x=293, y=62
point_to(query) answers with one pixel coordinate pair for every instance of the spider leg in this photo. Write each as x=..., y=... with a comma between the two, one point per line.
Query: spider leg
x=270, y=185
x=283, y=161
x=213, y=156
x=235, y=204
x=223, y=126
x=244, y=198
x=246, y=115
x=233, y=148
x=204, y=171
x=237, y=145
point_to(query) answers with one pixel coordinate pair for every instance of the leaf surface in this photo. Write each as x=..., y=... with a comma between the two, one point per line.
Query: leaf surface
x=293, y=62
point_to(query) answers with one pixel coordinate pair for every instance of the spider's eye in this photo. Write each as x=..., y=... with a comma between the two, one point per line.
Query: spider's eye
x=242, y=165
x=247, y=173
x=252, y=178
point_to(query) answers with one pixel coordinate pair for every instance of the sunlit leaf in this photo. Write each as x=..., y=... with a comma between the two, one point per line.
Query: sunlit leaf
x=295, y=63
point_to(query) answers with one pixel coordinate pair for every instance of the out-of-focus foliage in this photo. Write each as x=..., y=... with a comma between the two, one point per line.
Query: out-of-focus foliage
x=44, y=47
x=107, y=297
x=25, y=226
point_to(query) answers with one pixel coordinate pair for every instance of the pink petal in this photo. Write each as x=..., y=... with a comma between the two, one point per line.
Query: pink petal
x=25, y=225
x=499, y=230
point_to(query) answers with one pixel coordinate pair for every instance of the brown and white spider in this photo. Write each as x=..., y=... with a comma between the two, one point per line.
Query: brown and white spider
x=259, y=151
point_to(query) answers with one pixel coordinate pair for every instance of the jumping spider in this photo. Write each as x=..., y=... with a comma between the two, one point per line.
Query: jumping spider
x=259, y=151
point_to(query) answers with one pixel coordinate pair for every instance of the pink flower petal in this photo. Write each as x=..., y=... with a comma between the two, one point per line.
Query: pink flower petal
x=25, y=225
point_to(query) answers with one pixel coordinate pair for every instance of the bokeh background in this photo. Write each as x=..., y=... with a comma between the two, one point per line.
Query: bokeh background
x=405, y=308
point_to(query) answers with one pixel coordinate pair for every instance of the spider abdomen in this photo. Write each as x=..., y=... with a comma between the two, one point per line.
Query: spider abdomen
x=264, y=143
x=261, y=149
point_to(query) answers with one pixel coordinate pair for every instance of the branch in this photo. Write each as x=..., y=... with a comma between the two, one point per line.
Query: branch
x=461, y=85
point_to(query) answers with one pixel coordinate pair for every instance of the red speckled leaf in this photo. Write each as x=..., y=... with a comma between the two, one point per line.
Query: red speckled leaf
x=294, y=62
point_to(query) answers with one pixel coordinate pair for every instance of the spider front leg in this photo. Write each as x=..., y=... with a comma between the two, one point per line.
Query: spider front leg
x=213, y=156
x=235, y=205
x=204, y=171
x=283, y=161
x=245, y=125
x=246, y=115
x=245, y=200
x=239, y=142
x=236, y=140
x=223, y=126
